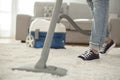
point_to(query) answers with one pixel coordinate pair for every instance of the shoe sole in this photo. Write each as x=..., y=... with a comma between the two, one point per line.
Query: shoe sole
x=110, y=49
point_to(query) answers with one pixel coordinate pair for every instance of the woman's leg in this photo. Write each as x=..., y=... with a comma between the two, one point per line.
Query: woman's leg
x=100, y=24
x=99, y=33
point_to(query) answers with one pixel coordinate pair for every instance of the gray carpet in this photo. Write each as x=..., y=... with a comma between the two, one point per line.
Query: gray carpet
x=17, y=54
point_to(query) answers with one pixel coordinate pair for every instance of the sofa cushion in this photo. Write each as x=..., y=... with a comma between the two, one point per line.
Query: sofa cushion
x=43, y=9
x=79, y=11
x=84, y=24
x=76, y=37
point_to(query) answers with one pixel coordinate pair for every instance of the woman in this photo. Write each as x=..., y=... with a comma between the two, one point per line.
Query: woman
x=100, y=41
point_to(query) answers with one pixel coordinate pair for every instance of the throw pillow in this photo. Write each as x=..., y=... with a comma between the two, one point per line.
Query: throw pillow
x=47, y=11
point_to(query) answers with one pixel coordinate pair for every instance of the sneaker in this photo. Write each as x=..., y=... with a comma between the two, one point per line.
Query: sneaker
x=89, y=55
x=107, y=47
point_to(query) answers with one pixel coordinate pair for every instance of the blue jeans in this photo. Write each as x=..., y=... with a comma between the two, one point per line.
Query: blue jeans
x=99, y=33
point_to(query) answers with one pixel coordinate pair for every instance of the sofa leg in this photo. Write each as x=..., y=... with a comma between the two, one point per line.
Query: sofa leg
x=22, y=41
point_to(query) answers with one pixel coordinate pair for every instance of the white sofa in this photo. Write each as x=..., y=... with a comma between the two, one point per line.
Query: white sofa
x=80, y=13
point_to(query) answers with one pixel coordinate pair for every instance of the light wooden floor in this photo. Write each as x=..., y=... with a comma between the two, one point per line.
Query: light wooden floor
x=7, y=40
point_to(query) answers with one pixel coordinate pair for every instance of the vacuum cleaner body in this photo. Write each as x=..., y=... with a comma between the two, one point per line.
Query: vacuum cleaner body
x=38, y=31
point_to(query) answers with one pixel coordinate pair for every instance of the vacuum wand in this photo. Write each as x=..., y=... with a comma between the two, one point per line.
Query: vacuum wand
x=46, y=48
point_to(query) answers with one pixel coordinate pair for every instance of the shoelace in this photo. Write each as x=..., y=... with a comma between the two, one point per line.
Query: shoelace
x=87, y=54
x=103, y=47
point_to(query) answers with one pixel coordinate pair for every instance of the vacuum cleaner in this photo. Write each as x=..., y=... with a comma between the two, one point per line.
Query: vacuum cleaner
x=41, y=65
x=37, y=34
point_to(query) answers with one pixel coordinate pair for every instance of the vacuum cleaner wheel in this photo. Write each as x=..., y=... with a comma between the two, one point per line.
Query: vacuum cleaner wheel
x=30, y=41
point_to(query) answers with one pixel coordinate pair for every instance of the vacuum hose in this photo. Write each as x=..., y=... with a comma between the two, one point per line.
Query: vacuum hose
x=85, y=32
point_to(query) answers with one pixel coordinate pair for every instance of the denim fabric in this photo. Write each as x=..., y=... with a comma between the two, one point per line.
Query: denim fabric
x=99, y=33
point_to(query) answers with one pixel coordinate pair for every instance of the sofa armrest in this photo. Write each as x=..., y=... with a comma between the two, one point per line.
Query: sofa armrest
x=22, y=26
x=114, y=29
